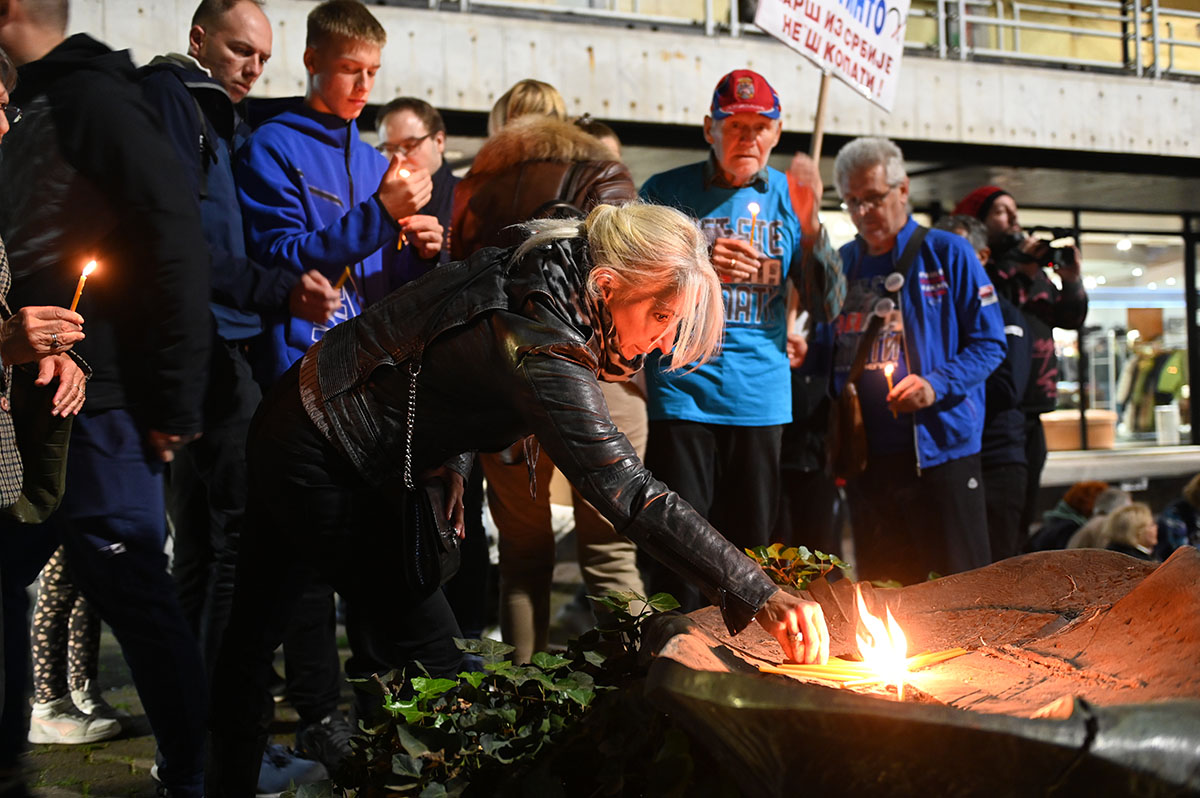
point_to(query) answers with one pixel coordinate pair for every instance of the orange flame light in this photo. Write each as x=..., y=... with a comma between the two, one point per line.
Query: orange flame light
x=884, y=651
x=884, y=648
x=91, y=267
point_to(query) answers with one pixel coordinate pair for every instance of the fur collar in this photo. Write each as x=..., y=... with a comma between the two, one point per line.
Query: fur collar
x=537, y=138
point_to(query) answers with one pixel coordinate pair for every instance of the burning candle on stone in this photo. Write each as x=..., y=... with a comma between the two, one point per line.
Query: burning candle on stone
x=887, y=373
x=754, y=209
x=91, y=267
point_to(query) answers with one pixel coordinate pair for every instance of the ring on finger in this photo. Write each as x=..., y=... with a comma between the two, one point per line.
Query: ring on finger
x=54, y=340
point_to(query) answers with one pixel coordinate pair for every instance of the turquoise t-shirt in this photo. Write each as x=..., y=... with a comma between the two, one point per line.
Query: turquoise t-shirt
x=749, y=383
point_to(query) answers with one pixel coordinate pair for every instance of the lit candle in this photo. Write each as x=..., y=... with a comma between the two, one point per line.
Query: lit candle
x=400, y=242
x=342, y=280
x=754, y=209
x=91, y=267
x=887, y=373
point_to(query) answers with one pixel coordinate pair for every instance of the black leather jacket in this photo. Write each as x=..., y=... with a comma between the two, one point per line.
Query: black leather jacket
x=499, y=360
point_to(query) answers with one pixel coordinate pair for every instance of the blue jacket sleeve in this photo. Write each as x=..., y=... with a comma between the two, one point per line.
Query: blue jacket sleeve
x=277, y=226
x=981, y=344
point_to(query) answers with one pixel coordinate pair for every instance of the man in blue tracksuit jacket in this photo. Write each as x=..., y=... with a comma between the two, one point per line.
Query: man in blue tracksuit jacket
x=316, y=196
x=919, y=506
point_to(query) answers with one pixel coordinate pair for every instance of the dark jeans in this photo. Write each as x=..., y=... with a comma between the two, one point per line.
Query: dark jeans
x=111, y=525
x=906, y=526
x=208, y=491
x=311, y=518
x=729, y=474
x=1004, y=493
x=1035, y=461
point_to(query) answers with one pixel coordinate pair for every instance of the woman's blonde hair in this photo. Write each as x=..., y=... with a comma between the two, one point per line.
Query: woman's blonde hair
x=649, y=251
x=527, y=96
x=1124, y=524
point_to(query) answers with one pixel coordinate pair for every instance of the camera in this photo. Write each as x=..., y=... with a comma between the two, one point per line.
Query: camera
x=1054, y=257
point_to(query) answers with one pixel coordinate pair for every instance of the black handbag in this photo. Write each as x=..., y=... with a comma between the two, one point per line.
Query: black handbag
x=432, y=550
x=42, y=440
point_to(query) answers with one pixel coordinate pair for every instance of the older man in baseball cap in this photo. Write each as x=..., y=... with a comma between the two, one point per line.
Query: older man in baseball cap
x=715, y=432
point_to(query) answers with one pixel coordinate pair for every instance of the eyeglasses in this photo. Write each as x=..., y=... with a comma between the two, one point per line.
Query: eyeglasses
x=11, y=112
x=403, y=147
x=868, y=203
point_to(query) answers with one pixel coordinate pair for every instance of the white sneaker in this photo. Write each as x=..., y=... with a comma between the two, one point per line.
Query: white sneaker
x=90, y=701
x=60, y=722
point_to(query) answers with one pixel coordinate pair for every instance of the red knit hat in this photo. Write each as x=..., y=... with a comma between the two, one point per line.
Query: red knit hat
x=979, y=201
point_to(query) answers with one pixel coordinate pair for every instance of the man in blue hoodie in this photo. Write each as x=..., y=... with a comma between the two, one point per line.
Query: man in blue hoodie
x=315, y=196
x=919, y=506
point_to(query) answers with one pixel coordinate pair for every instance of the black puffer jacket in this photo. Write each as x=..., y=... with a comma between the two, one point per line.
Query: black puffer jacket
x=500, y=359
x=88, y=174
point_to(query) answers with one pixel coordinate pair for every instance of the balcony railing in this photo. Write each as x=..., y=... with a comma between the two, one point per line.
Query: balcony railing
x=1143, y=39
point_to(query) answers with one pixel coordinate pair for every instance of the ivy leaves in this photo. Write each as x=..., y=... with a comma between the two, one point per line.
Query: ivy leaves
x=438, y=736
x=794, y=566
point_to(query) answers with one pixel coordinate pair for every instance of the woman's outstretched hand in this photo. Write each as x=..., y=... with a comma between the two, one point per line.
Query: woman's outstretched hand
x=798, y=625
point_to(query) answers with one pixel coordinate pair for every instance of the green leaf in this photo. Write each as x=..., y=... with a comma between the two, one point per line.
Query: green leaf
x=774, y=549
x=320, y=789
x=594, y=658
x=405, y=765
x=549, y=662
x=487, y=649
x=473, y=678
x=432, y=688
x=758, y=552
x=581, y=696
x=408, y=709
x=663, y=602
x=413, y=745
x=433, y=790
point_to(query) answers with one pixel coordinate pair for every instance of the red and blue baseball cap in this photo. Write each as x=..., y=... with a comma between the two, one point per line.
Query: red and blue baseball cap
x=744, y=91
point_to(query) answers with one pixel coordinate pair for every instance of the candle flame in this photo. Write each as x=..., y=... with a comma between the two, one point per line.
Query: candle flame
x=883, y=647
x=405, y=173
x=888, y=369
x=753, y=208
x=91, y=267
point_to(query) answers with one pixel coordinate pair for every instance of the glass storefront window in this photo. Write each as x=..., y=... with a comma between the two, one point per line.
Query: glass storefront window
x=1135, y=337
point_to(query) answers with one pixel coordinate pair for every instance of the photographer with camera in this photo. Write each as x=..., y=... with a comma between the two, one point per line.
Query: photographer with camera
x=1017, y=267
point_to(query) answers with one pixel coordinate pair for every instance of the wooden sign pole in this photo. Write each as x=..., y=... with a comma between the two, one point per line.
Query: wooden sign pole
x=818, y=134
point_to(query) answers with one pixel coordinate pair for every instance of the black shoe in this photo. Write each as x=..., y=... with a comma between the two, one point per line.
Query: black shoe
x=327, y=742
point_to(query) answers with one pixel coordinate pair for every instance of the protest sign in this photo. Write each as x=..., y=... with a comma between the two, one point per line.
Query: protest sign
x=859, y=41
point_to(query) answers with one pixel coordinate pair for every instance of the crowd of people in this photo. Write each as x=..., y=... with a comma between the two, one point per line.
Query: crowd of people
x=299, y=347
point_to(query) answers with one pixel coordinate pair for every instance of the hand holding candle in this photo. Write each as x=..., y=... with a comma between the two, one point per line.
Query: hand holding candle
x=887, y=373
x=91, y=267
x=404, y=189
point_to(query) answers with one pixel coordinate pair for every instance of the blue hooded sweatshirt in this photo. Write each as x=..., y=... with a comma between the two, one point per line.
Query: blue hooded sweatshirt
x=952, y=335
x=307, y=186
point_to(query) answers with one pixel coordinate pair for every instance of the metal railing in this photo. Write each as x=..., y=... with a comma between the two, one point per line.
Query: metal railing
x=1139, y=38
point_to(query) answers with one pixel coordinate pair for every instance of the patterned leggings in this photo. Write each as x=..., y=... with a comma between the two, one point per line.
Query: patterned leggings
x=65, y=636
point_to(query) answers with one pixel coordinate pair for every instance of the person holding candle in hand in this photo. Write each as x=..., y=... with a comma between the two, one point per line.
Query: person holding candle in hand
x=315, y=195
x=716, y=432
x=919, y=505
x=88, y=175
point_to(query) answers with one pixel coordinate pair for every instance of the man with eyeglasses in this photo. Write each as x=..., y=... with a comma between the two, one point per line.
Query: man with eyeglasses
x=414, y=130
x=715, y=433
x=918, y=508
